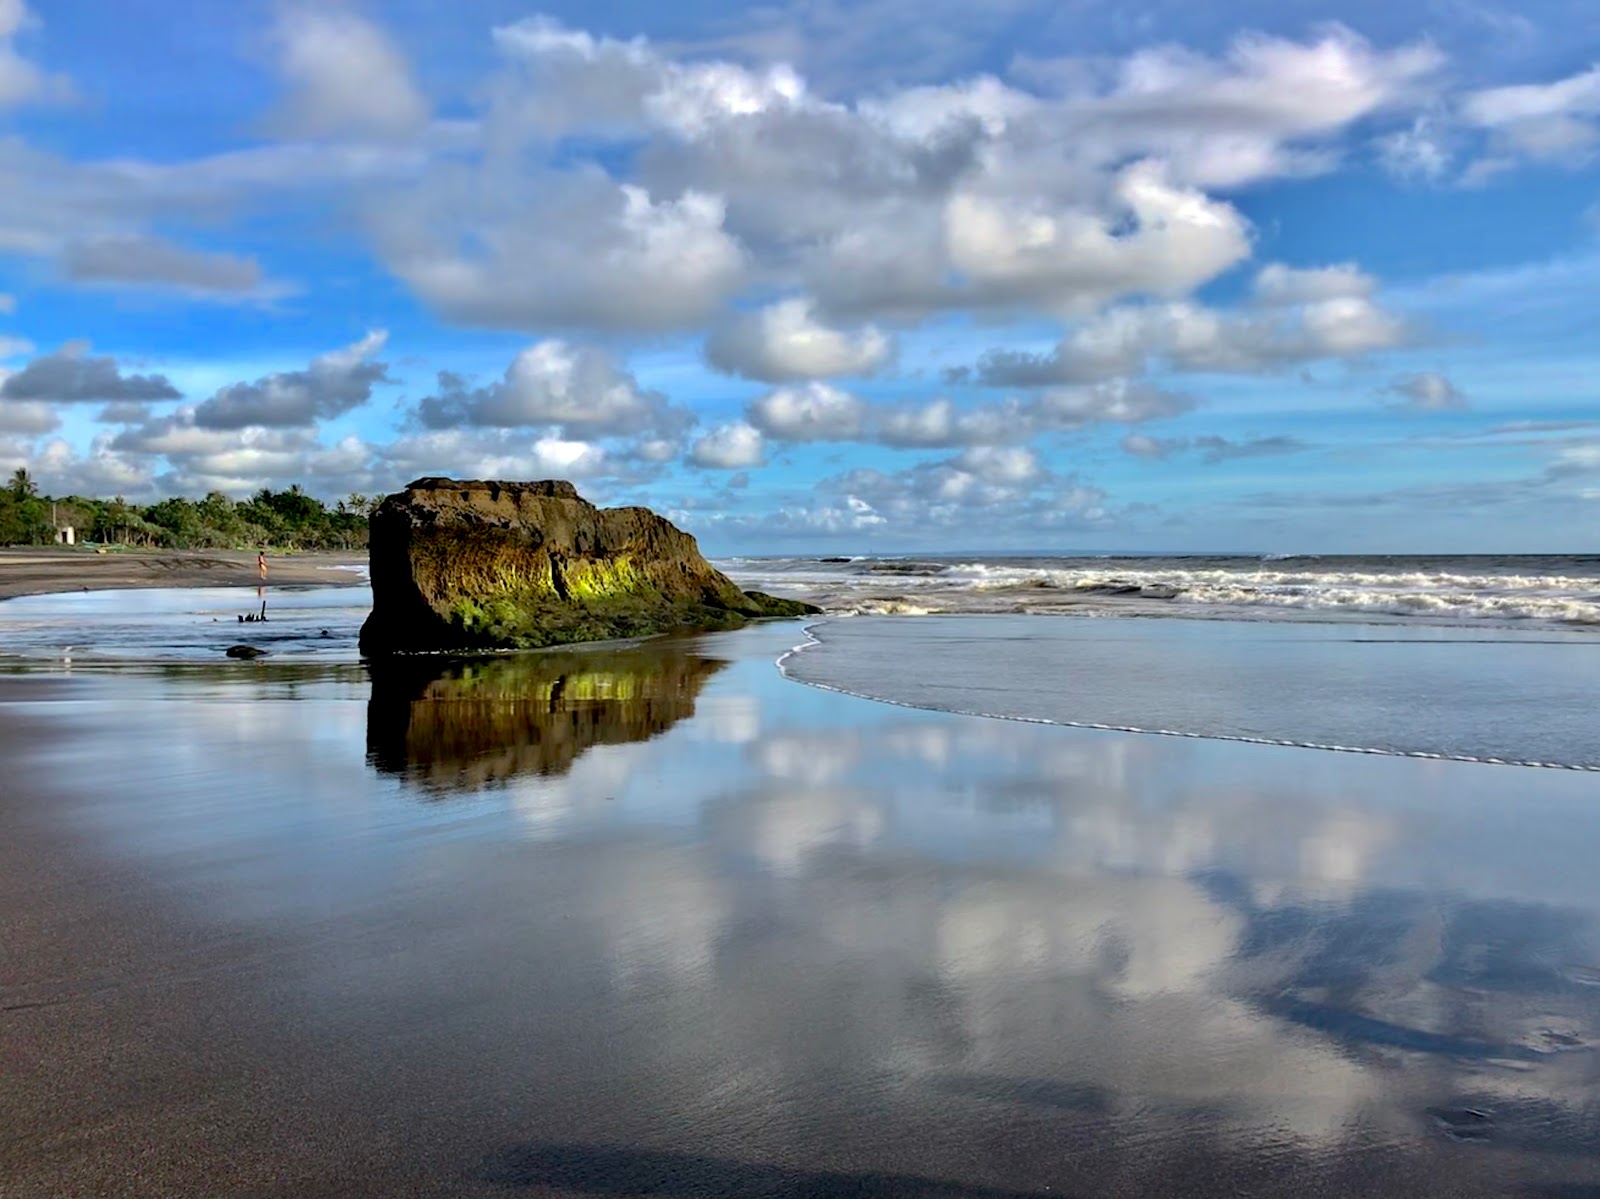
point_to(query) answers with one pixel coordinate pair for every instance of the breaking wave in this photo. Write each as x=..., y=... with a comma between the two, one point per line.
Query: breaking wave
x=1513, y=590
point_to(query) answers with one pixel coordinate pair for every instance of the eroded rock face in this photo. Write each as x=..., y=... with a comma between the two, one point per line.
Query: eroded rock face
x=462, y=565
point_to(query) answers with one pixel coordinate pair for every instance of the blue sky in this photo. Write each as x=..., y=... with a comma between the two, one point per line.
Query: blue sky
x=823, y=276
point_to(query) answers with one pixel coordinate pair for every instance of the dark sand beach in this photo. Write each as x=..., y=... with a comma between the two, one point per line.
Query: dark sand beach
x=658, y=921
x=41, y=571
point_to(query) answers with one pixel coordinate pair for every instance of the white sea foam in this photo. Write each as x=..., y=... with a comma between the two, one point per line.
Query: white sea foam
x=1430, y=591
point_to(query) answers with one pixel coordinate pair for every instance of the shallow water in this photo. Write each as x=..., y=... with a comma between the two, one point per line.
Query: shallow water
x=176, y=623
x=1526, y=697
x=657, y=921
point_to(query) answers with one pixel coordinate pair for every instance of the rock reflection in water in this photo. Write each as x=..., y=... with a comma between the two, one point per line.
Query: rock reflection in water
x=459, y=725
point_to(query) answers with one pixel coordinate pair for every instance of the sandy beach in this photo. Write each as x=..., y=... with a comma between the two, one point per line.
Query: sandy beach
x=41, y=571
x=658, y=921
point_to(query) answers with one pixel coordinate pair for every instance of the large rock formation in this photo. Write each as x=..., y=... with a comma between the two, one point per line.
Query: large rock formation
x=462, y=565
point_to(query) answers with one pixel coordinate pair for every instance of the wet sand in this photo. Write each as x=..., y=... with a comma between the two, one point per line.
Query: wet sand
x=41, y=571
x=658, y=922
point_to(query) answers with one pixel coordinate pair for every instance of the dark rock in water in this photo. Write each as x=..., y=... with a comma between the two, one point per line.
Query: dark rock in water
x=834, y=559
x=462, y=565
x=772, y=605
x=244, y=651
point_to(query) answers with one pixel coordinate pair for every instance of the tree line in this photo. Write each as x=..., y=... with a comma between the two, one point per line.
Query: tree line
x=288, y=519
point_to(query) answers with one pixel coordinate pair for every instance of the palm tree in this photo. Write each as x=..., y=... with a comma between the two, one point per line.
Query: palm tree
x=22, y=485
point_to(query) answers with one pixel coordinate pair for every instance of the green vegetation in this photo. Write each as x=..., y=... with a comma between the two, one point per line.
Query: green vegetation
x=285, y=520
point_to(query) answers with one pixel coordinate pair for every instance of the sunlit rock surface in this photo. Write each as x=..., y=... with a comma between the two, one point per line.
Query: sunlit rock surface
x=461, y=565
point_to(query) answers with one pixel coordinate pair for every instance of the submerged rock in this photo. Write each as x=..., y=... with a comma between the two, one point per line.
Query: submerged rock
x=463, y=565
x=244, y=651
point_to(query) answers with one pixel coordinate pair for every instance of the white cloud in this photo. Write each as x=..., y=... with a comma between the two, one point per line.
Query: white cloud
x=20, y=80
x=729, y=447
x=566, y=250
x=818, y=412
x=812, y=412
x=1299, y=316
x=552, y=382
x=8, y=304
x=942, y=424
x=62, y=470
x=333, y=384
x=73, y=375
x=1006, y=465
x=1177, y=239
x=972, y=195
x=344, y=76
x=1423, y=151
x=981, y=488
x=785, y=341
x=154, y=262
x=27, y=416
x=1427, y=391
x=1278, y=285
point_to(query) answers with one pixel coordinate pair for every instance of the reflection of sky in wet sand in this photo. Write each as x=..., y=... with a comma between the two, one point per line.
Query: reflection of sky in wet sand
x=727, y=919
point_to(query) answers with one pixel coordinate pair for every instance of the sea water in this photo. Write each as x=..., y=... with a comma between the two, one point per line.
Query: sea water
x=1546, y=591
x=653, y=919
x=1486, y=694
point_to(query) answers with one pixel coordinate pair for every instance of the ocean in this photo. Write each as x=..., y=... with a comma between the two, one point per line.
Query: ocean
x=765, y=914
x=1470, y=591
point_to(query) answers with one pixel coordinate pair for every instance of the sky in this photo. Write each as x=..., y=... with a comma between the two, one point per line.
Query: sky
x=813, y=276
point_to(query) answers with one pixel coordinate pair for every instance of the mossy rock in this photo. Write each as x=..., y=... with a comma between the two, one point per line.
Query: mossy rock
x=464, y=565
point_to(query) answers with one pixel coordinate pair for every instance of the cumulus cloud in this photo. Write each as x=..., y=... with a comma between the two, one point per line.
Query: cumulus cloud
x=978, y=489
x=344, y=77
x=155, y=262
x=1427, y=391
x=1154, y=239
x=124, y=413
x=466, y=453
x=734, y=446
x=579, y=388
x=813, y=412
x=1280, y=286
x=818, y=412
x=20, y=80
x=1299, y=316
x=73, y=375
x=333, y=384
x=973, y=195
x=785, y=342
x=60, y=469
x=28, y=417
x=568, y=250
x=1264, y=91
x=1555, y=122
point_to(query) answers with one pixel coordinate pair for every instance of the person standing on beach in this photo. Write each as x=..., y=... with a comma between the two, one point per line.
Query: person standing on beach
x=261, y=564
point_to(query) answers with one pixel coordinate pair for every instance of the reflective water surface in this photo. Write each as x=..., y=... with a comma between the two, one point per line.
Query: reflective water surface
x=655, y=921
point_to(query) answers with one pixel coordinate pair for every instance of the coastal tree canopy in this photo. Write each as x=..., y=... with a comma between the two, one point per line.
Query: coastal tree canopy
x=288, y=519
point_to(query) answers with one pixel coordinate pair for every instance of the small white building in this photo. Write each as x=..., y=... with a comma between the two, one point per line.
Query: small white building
x=66, y=535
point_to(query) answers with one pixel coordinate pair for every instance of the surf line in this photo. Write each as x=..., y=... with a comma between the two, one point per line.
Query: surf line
x=1425, y=755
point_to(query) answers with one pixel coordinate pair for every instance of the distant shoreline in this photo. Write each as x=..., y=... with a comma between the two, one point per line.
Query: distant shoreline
x=49, y=569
